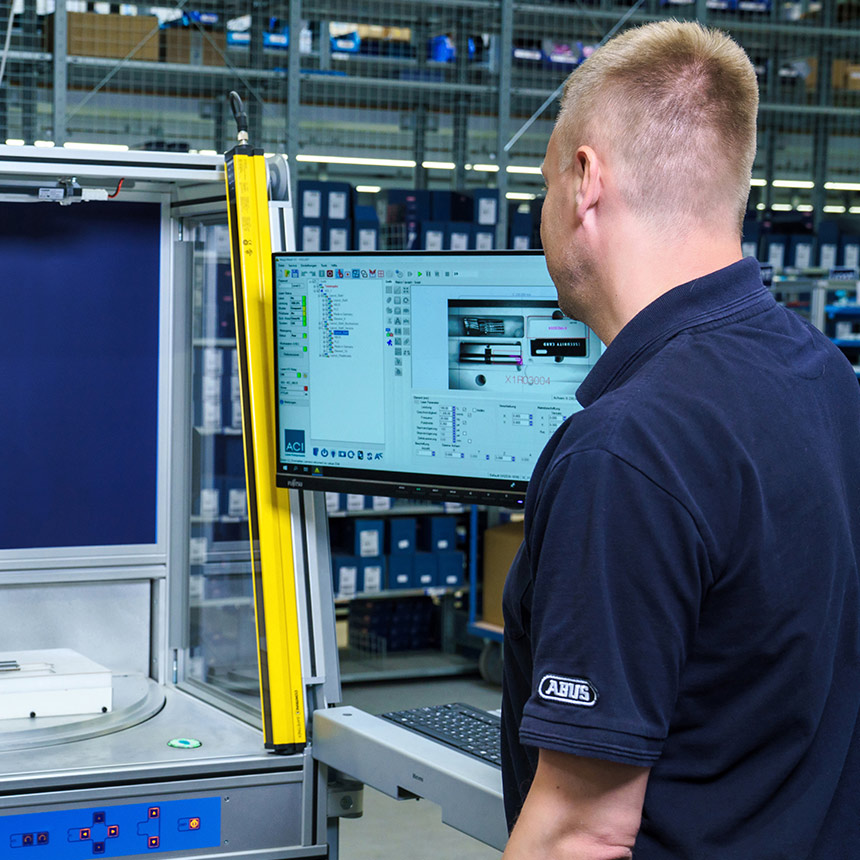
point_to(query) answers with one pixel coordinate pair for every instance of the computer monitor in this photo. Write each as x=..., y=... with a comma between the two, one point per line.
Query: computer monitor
x=435, y=376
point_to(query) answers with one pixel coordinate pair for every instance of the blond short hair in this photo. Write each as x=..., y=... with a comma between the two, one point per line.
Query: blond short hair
x=674, y=107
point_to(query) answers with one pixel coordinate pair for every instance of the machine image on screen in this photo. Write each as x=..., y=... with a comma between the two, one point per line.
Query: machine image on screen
x=419, y=374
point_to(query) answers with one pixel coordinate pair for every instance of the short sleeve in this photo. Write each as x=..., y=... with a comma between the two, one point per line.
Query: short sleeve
x=619, y=571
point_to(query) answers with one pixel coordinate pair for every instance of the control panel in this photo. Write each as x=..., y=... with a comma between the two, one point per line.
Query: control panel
x=112, y=831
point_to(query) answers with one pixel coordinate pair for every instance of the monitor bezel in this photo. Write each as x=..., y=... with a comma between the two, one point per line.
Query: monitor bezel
x=435, y=488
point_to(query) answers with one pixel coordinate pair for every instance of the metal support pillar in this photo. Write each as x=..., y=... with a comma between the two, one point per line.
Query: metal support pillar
x=419, y=131
x=255, y=60
x=29, y=74
x=294, y=100
x=821, y=121
x=462, y=105
x=506, y=39
x=59, y=47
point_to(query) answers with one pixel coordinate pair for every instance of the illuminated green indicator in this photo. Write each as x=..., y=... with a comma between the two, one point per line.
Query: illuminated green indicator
x=184, y=743
x=298, y=376
x=304, y=349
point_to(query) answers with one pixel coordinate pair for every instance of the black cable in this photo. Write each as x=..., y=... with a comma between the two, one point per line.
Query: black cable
x=240, y=116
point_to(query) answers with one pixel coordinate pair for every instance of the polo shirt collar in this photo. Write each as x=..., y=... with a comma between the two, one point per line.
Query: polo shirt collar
x=735, y=289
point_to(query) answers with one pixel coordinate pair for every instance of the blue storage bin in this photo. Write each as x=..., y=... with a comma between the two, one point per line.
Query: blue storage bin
x=451, y=569
x=401, y=535
x=399, y=571
x=424, y=569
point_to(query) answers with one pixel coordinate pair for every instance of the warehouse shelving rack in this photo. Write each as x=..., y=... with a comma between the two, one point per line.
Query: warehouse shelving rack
x=419, y=112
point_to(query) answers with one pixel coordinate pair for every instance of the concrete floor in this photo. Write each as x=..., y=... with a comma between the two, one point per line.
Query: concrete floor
x=394, y=830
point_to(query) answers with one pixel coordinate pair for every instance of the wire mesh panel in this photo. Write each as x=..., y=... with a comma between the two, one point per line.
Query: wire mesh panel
x=419, y=94
x=25, y=74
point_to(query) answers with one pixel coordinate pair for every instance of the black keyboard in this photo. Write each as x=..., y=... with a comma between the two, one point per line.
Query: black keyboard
x=467, y=729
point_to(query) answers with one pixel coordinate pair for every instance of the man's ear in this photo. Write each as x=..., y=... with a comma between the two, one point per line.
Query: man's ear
x=588, y=168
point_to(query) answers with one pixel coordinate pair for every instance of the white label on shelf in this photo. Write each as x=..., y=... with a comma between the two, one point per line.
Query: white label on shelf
x=373, y=578
x=828, y=256
x=441, y=544
x=381, y=503
x=338, y=239
x=210, y=387
x=852, y=256
x=236, y=413
x=234, y=363
x=483, y=241
x=403, y=543
x=332, y=502
x=367, y=239
x=425, y=579
x=368, y=543
x=235, y=387
x=198, y=549
x=354, y=502
x=237, y=503
x=521, y=243
x=195, y=586
x=212, y=414
x=337, y=205
x=311, y=237
x=487, y=210
x=803, y=256
x=346, y=581
x=212, y=361
x=209, y=503
x=312, y=204
x=459, y=242
x=749, y=249
x=433, y=240
x=776, y=256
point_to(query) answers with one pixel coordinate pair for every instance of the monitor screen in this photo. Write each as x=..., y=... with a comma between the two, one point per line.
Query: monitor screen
x=419, y=374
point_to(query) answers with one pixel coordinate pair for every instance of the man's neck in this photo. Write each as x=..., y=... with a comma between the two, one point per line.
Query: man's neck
x=640, y=270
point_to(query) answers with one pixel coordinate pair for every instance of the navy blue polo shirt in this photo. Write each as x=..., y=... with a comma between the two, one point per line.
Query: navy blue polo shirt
x=686, y=596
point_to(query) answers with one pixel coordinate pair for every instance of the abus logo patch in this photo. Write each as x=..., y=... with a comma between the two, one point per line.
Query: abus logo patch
x=571, y=691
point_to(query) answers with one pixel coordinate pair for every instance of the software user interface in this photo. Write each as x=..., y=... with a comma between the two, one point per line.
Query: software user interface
x=443, y=365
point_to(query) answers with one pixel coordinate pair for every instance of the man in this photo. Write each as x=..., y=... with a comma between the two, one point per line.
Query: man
x=682, y=656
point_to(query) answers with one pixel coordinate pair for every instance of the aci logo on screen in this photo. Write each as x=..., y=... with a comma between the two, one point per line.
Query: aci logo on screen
x=294, y=441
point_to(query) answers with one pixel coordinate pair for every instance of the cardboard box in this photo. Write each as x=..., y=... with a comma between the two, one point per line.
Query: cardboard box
x=501, y=544
x=114, y=36
x=193, y=46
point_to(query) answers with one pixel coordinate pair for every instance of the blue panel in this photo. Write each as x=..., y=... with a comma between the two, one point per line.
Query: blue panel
x=112, y=831
x=78, y=373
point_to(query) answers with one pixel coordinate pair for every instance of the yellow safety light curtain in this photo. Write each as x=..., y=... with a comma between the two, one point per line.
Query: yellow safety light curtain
x=281, y=685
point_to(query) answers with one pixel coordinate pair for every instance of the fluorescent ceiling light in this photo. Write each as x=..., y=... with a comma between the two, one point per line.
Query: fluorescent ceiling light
x=758, y=182
x=43, y=143
x=792, y=183
x=521, y=168
x=486, y=168
x=369, y=189
x=804, y=207
x=438, y=165
x=520, y=195
x=854, y=210
x=13, y=141
x=842, y=186
x=103, y=147
x=834, y=210
x=366, y=162
x=782, y=207
x=759, y=206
